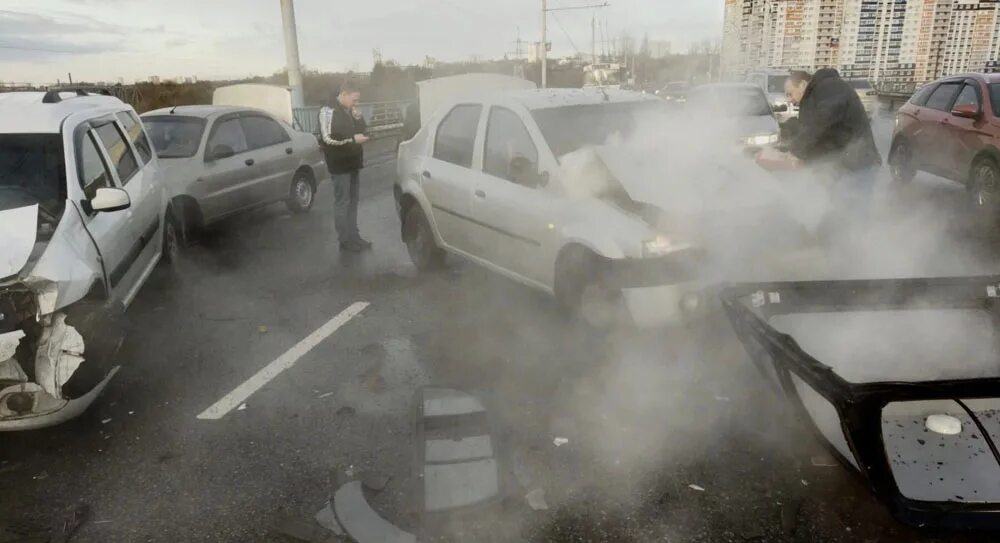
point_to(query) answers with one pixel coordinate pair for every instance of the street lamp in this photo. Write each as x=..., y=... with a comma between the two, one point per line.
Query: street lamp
x=292, y=52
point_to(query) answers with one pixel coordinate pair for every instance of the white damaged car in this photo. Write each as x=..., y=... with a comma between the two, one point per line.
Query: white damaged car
x=83, y=223
x=561, y=190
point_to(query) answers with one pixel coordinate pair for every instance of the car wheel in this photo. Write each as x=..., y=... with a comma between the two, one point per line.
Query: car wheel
x=302, y=193
x=420, y=242
x=171, y=242
x=583, y=293
x=901, y=162
x=984, y=184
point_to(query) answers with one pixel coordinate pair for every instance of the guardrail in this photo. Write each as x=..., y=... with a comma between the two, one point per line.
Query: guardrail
x=384, y=119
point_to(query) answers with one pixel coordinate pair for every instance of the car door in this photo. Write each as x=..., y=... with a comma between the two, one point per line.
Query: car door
x=930, y=140
x=964, y=136
x=447, y=177
x=136, y=176
x=509, y=197
x=230, y=172
x=271, y=148
x=109, y=230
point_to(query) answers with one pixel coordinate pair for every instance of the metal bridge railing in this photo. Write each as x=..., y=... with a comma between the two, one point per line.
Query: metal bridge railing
x=385, y=119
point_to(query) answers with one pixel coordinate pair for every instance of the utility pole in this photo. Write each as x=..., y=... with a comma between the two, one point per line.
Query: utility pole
x=545, y=44
x=292, y=52
x=593, y=39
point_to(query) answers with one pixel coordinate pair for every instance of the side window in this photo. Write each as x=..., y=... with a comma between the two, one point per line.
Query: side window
x=920, y=98
x=262, y=132
x=136, y=135
x=94, y=174
x=968, y=97
x=510, y=153
x=120, y=153
x=456, y=136
x=228, y=133
x=943, y=96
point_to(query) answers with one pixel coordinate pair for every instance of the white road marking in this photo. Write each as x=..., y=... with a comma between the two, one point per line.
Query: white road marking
x=241, y=393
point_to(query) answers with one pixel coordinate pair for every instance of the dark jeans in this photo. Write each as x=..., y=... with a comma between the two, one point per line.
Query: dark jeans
x=345, y=209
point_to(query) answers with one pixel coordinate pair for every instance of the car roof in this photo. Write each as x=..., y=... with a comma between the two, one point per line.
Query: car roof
x=203, y=111
x=27, y=113
x=552, y=98
x=727, y=86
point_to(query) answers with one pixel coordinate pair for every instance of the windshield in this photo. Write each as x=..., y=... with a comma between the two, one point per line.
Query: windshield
x=733, y=102
x=860, y=84
x=602, y=78
x=776, y=83
x=32, y=171
x=567, y=129
x=174, y=136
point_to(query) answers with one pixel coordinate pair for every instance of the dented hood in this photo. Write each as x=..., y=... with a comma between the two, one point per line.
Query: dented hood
x=18, y=228
x=685, y=184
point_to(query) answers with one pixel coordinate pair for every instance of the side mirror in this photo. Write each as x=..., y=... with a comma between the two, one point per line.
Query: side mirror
x=108, y=200
x=220, y=151
x=966, y=111
x=779, y=108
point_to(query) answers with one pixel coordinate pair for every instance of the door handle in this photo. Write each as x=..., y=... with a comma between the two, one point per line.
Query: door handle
x=288, y=150
x=248, y=162
x=426, y=174
x=480, y=194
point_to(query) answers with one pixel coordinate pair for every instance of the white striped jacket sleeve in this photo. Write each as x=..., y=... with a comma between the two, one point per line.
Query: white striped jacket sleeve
x=326, y=125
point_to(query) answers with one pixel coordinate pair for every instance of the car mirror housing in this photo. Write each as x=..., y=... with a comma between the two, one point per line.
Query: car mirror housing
x=220, y=151
x=966, y=111
x=779, y=108
x=109, y=199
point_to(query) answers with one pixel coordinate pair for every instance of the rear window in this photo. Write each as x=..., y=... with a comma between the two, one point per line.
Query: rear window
x=943, y=96
x=173, y=136
x=995, y=98
x=32, y=171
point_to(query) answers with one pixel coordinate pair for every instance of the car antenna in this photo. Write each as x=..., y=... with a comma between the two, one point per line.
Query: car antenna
x=172, y=110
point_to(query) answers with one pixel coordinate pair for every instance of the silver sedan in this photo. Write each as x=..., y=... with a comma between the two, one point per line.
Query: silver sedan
x=221, y=160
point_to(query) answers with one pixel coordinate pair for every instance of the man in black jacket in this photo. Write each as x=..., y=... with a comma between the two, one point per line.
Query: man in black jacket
x=343, y=133
x=834, y=133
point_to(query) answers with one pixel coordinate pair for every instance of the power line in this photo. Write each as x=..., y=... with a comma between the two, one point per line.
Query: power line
x=561, y=27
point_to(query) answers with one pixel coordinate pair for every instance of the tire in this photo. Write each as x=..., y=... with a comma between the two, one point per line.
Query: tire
x=420, y=241
x=168, y=273
x=301, y=194
x=901, y=162
x=984, y=187
x=583, y=294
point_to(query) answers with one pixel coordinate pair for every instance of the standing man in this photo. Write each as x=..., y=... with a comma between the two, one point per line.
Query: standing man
x=343, y=130
x=834, y=134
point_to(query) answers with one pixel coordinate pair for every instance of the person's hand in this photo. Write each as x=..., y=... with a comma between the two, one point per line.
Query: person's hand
x=773, y=160
x=360, y=138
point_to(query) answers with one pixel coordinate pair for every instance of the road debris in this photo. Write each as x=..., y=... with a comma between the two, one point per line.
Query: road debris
x=374, y=481
x=72, y=519
x=560, y=441
x=241, y=407
x=324, y=395
x=326, y=518
x=105, y=421
x=696, y=487
x=536, y=500
x=361, y=522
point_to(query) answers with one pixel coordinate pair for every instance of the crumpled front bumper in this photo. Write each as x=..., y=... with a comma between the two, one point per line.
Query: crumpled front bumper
x=57, y=412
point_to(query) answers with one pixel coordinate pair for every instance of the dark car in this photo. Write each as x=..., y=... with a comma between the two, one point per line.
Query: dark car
x=950, y=128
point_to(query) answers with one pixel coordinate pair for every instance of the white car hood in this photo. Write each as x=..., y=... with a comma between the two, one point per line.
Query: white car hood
x=688, y=185
x=18, y=228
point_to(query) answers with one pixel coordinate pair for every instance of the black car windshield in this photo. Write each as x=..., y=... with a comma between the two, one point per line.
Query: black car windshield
x=569, y=128
x=860, y=84
x=776, y=83
x=32, y=171
x=175, y=136
x=733, y=102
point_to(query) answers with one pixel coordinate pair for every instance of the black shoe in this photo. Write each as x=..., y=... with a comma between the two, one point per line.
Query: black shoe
x=364, y=243
x=351, y=247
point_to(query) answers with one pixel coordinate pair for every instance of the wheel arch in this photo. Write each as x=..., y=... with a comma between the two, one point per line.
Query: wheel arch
x=187, y=210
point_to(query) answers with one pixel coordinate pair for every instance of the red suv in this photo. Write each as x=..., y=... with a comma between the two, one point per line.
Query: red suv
x=951, y=128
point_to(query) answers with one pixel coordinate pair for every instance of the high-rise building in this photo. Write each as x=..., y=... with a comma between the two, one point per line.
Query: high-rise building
x=895, y=43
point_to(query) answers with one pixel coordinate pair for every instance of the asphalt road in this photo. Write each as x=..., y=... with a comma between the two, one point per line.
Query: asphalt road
x=646, y=415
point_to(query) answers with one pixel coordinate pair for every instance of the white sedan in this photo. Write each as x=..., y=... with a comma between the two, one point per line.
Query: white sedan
x=542, y=186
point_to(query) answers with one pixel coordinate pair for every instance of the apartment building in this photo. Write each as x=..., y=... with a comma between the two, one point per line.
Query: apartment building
x=895, y=43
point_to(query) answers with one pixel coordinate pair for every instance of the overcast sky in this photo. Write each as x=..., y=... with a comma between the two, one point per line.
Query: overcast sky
x=42, y=40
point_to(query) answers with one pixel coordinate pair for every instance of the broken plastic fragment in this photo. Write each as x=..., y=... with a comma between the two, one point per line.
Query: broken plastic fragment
x=944, y=425
x=241, y=407
x=560, y=441
x=536, y=500
x=696, y=487
x=361, y=522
